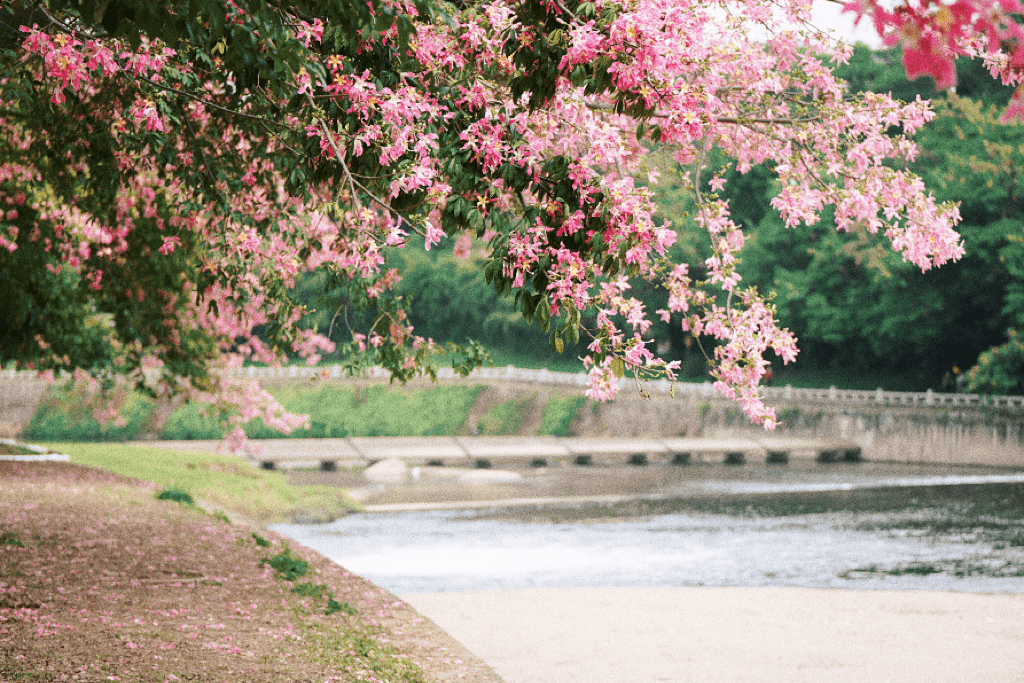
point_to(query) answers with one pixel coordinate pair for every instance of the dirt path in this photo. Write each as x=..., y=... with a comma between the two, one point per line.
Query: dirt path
x=101, y=581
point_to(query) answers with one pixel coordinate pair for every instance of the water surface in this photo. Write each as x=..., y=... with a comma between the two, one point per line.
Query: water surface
x=847, y=526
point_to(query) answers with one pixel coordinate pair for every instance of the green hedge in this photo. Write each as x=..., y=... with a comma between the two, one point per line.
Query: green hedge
x=66, y=413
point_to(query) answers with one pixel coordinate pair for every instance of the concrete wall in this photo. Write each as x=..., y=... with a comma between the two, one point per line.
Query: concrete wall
x=921, y=435
x=897, y=427
x=917, y=434
x=933, y=435
x=19, y=397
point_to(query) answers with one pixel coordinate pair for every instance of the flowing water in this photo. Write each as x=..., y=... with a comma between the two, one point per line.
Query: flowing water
x=863, y=525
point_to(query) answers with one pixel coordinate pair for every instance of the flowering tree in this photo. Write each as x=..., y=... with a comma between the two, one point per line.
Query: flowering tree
x=169, y=169
x=933, y=33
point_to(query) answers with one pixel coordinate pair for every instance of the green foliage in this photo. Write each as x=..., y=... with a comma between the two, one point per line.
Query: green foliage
x=226, y=481
x=189, y=422
x=11, y=538
x=1000, y=370
x=260, y=541
x=177, y=495
x=335, y=606
x=435, y=412
x=50, y=304
x=882, y=71
x=287, y=565
x=316, y=591
x=505, y=418
x=338, y=413
x=450, y=301
x=536, y=359
x=66, y=412
x=559, y=413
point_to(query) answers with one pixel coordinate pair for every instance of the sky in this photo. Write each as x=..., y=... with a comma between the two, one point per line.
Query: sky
x=829, y=15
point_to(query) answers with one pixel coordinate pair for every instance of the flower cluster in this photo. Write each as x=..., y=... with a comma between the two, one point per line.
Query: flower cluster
x=229, y=182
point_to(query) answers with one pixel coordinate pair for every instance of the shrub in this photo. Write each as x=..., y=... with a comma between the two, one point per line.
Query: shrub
x=187, y=423
x=177, y=495
x=1000, y=370
x=66, y=414
x=288, y=566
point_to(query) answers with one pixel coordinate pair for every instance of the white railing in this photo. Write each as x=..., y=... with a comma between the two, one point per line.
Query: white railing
x=703, y=390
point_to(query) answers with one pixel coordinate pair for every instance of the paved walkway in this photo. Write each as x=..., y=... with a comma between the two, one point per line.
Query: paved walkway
x=736, y=635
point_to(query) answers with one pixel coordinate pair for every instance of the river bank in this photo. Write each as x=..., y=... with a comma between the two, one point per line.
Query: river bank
x=104, y=582
x=100, y=580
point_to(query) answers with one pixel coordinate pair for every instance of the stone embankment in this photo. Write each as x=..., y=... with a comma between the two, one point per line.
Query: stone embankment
x=926, y=427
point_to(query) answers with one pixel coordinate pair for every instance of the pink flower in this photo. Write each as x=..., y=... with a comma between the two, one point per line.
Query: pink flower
x=171, y=242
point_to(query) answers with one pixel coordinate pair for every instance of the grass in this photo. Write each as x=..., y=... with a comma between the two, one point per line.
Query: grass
x=65, y=415
x=342, y=412
x=12, y=539
x=222, y=480
x=555, y=362
x=559, y=413
x=506, y=418
x=6, y=449
x=318, y=592
x=843, y=378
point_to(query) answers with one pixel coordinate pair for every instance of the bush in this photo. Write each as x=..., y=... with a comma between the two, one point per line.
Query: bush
x=177, y=495
x=187, y=423
x=1000, y=370
x=66, y=414
x=559, y=414
x=288, y=566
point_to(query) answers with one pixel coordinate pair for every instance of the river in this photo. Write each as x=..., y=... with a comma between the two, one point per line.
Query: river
x=850, y=525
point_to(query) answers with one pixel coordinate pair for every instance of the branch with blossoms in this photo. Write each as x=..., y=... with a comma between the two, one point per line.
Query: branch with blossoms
x=933, y=34
x=281, y=140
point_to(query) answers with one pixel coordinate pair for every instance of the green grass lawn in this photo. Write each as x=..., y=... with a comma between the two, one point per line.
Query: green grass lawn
x=225, y=481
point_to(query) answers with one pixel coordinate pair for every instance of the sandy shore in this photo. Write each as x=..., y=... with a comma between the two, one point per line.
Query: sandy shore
x=736, y=635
